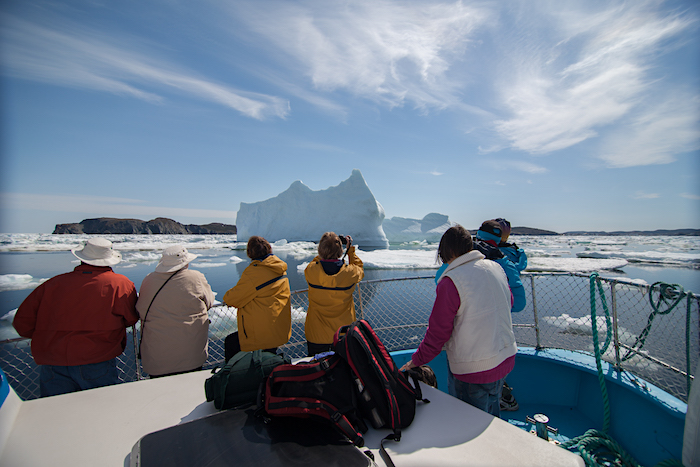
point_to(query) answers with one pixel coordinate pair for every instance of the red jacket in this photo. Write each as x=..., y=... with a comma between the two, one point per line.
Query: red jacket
x=79, y=317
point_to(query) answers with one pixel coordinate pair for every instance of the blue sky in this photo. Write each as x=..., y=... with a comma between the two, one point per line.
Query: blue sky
x=561, y=115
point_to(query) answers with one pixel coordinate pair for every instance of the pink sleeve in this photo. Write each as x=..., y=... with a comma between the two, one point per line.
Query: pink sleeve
x=440, y=324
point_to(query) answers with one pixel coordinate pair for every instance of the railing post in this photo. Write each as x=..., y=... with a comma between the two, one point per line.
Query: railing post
x=616, y=339
x=136, y=352
x=359, y=299
x=534, y=311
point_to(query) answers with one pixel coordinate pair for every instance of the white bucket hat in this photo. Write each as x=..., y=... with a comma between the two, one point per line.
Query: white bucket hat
x=174, y=258
x=98, y=252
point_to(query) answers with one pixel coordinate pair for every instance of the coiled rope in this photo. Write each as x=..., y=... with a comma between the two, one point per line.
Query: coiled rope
x=670, y=295
x=596, y=447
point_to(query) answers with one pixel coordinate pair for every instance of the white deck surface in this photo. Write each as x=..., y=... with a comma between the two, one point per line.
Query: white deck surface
x=100, y=427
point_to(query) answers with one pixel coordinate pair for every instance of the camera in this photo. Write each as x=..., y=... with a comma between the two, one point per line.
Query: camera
x=343, y=239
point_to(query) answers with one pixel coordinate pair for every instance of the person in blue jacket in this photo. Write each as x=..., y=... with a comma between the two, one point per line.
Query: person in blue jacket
x=518, y=257
x=487, y=239
x=511, y=250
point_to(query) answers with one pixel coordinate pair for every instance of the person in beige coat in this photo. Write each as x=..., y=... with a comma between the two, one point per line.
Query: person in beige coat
x=173, y=303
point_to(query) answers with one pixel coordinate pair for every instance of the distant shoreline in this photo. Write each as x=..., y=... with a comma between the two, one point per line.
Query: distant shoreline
x=161, y=225
x=617, y=233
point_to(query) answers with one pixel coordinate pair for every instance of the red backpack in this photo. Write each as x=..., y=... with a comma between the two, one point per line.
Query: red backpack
x=358, y=380
x=320, y=388
x=386, y=397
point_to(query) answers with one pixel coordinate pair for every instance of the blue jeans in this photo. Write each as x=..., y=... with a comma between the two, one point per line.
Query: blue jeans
x=56, y=379
x=486, y=397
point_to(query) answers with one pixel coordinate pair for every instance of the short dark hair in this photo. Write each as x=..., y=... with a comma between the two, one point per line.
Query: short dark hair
x=455, y=242
x=329, y=247
x=258, y=247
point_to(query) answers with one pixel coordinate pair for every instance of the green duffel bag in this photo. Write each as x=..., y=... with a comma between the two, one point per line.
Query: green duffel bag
x=237, y=383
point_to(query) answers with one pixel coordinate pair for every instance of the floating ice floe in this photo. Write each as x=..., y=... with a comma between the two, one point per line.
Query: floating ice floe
x=582, y=326
x=142, y=257
x=204, y=264
x=18, y=282
x=650, y=257
x=574, y=264
x=9, y=316
x=393, y=259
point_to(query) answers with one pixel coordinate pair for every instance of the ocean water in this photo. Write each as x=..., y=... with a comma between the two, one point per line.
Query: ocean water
x=26, y=260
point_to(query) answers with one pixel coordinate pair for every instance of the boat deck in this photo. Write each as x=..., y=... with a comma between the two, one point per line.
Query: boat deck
x=568, y=421
x=101, y=426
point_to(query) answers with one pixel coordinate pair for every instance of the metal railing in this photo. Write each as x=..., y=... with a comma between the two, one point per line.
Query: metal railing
x=558, y=315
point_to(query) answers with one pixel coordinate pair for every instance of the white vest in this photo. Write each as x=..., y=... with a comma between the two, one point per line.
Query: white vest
x=483, y=331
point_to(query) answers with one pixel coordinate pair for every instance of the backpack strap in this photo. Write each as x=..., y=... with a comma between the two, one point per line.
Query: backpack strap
x=385, y=380
x=143, y=325
x=382, y=450
x=302, y=405
x=416, y=382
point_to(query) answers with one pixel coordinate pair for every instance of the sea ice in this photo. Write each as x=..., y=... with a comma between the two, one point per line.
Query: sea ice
x=18, y=282
x=573, y=264
x=649, y=257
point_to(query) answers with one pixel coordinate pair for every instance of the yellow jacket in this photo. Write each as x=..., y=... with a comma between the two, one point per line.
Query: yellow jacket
x=264, y=310
x=330, y=298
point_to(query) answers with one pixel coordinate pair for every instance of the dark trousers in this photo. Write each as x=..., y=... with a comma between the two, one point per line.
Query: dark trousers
x=232, y=345
x=57, y=379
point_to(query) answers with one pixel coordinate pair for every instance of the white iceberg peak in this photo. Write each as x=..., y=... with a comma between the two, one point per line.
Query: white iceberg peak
x=301, y=214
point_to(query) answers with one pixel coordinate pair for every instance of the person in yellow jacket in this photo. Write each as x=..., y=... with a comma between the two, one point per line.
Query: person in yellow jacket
x=331, y=285
x=262, y=297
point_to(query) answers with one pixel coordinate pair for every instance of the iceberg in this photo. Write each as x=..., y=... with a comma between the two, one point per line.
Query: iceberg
x=430, y=228
x=301, y=214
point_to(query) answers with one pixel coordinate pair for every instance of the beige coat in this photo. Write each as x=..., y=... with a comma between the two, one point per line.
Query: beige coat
x=176, y=330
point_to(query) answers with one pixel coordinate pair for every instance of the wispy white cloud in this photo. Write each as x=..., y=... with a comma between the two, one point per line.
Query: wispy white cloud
x=689, y=196
x=564, y=72
x=592, y=72
x=66, y=55
x=643, y=195
x=106, y=206
x=656, y=135
x=436, y=173
x=522, y=166
x=385, y=51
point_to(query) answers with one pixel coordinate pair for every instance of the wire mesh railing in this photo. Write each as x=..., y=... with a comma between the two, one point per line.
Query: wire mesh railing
x=557, y=315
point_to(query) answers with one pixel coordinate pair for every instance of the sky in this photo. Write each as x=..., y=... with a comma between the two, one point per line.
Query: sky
x=559, y=115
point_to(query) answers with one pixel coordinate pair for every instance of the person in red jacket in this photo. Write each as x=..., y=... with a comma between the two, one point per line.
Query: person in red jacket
x=77, y=322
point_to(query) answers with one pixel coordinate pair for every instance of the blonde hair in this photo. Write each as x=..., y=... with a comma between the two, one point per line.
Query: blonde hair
x=329, y=247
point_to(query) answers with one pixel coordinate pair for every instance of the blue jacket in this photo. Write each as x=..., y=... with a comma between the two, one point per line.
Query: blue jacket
x=492, y=252
x=515, y=254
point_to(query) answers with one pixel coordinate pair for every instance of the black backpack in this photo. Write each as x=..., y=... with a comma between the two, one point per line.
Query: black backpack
x=386, y=397
x=237, y=382
x=321, y=388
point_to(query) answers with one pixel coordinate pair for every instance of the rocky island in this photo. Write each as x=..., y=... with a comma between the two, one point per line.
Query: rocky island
x=159, y=225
